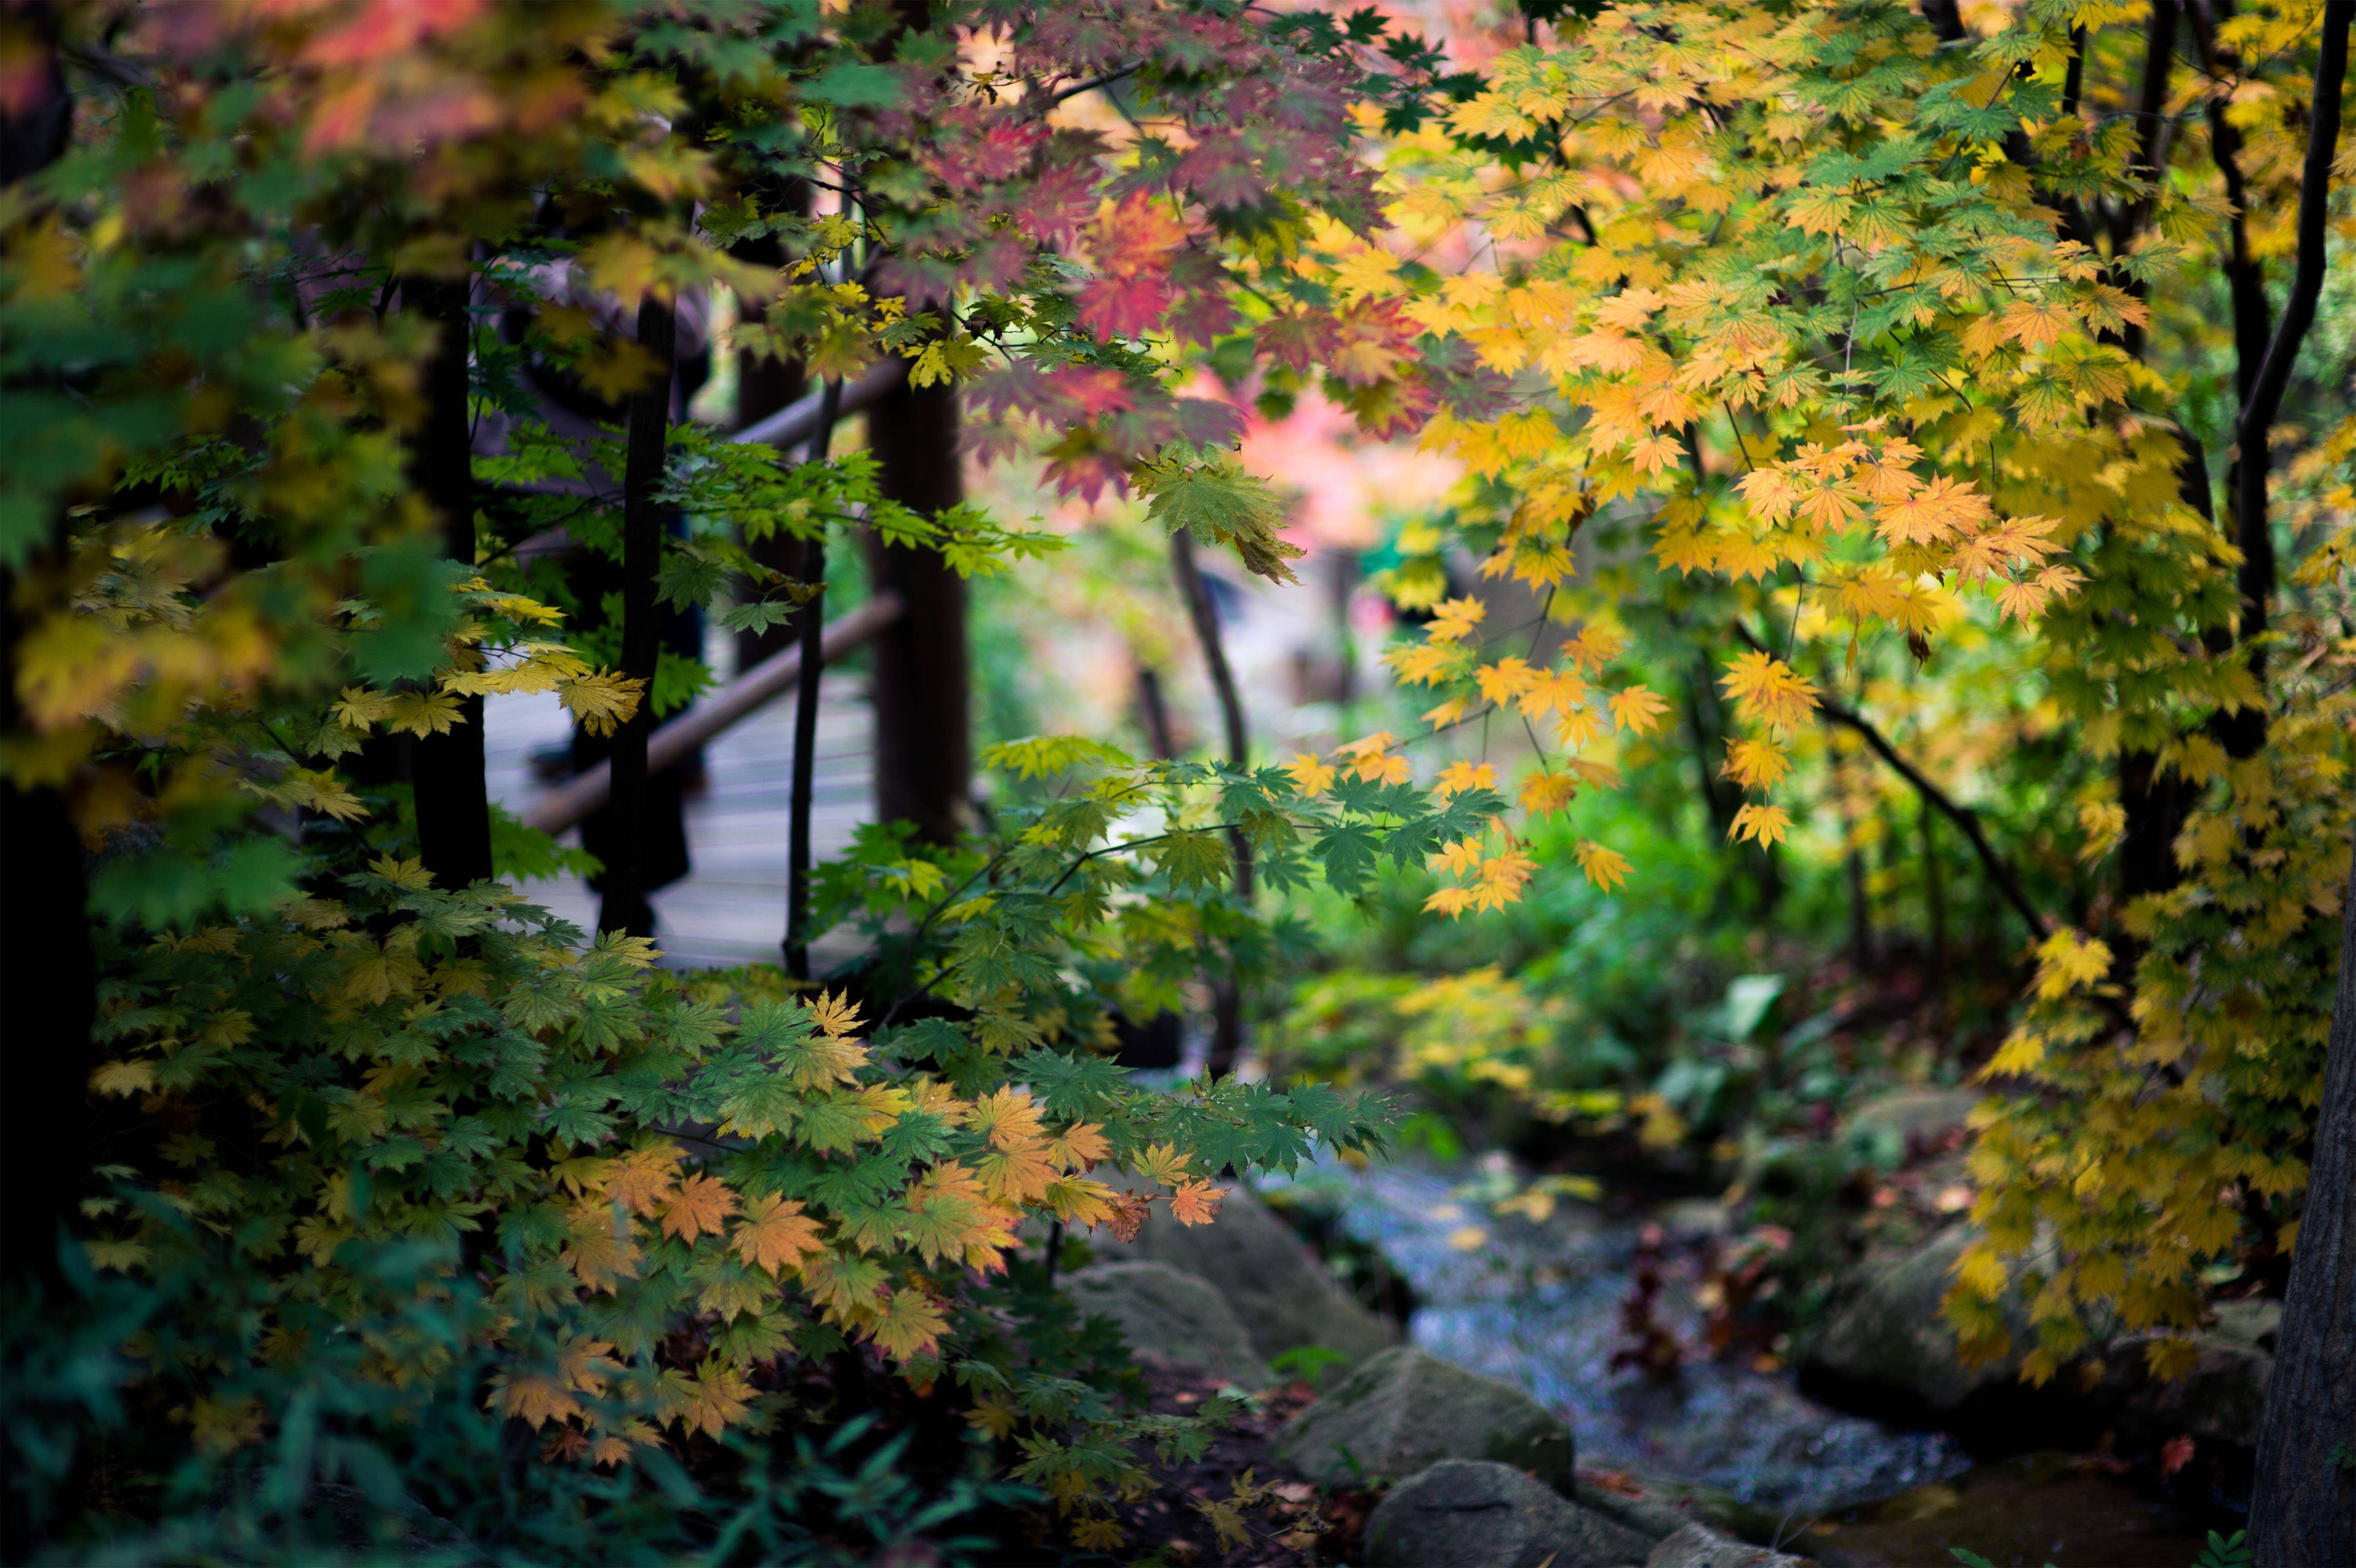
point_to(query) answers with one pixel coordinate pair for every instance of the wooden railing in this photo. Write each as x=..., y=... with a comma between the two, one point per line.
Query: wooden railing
x=577, y=796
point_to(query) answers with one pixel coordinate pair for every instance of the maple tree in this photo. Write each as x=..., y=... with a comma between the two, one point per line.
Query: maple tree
x=270, y=277
x=1818, y=331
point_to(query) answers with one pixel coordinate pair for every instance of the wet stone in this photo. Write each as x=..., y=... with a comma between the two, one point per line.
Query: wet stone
x=1697, y=1546
x=1466, y=1513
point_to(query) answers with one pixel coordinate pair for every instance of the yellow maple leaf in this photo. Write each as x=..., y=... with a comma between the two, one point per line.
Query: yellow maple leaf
x=1454, y=618
x=1542, y=793
x=1450, y=901
x=714, y=1400
x=1007, y=1118
x=123, y=1078
x=1768, y=689
x=1078, y=1147
x=422, y=713
x=1768, y=825
x=1507, y=679
x=1638, y=709
x=1604, y=866
x=1461, y=776
x=910, y=1324
x=1312, y=777
x=600, y=1251
x=600, y=701
x=836, y=1015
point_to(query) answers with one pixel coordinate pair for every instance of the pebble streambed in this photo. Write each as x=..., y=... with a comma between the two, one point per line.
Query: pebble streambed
x=1536, y=1304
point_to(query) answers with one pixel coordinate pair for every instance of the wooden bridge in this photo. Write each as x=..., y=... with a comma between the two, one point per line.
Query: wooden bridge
x=731, y=906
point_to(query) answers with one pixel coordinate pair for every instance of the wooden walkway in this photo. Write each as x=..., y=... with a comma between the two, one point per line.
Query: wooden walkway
x=731, y=906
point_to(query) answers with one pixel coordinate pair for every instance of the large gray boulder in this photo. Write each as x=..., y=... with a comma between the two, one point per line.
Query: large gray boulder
x=1171, y=1319
x=1696, y=1546
x=1404, y=1410
x=1285, y=1300
x=1470, y=1513
x=1889, y=1351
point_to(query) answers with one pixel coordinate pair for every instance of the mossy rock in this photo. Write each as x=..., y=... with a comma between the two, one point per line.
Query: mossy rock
x=1285, y=1300
x=1404, y=1410
x=1171, y=1319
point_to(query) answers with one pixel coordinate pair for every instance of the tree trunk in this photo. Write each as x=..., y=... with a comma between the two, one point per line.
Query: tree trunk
x=1226, y=995
x=46, y=970
x=764, y=386
x=2246, y=731
x=2303, y=1505
x=811, y=627
x=922, y=689
x=454, y=807
x=625, y=906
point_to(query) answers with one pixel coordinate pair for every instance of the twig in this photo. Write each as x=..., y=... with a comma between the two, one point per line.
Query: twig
x=1998, y=870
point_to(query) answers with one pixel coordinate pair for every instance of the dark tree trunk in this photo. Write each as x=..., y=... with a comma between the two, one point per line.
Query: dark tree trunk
x=2155, y=804
x=454, y=807
x=45, y=971
x=764, y=386
x=811, y=626
x=922, y=689
x=2246, y=731
x=1226, y=995
x=625, y=906
x=2303, y=1505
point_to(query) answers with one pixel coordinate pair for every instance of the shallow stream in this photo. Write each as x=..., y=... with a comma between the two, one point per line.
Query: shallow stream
x=1538, y=1305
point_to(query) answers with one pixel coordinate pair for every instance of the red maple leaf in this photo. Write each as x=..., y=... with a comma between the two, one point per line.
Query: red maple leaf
x=1202, y=317
x=1123, y=305
x=1298, y=341
x=1136, y=236
x=1091, y=391
x=1219, y=170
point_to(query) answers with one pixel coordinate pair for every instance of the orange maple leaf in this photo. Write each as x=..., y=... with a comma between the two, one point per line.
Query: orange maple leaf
x=1078, y=1147
x=700, y=1206
x=1196, y=1202
x=775, y=1235
x=641, y=1180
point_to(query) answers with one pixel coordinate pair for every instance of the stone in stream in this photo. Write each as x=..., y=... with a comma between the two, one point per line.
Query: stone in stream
x=1254, y=1260
x=1171, y=1319
x=1470, y=1513
x=1404, y=1410
x=1890, y=1354
x=1889, y=1351
x=1694, y=1546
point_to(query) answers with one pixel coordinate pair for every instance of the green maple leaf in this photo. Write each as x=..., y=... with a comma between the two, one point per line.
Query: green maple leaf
x=1192, y=859
x=1215, y=501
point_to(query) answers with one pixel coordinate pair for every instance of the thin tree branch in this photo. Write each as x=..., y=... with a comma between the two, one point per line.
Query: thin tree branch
x=1998, y=870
